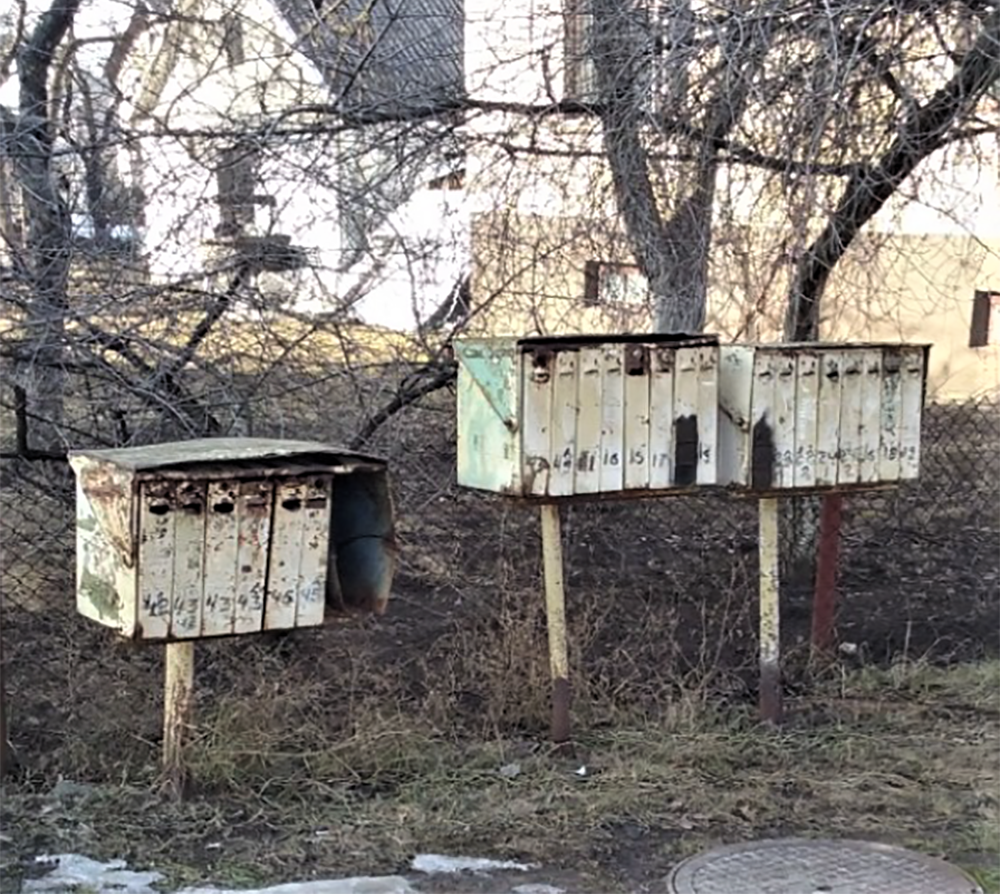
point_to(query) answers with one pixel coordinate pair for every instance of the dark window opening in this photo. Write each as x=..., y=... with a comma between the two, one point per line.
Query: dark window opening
x=451, y=181
x=232, y=39
x=985, y=324
x=236, y=175
x=635, y=26
x=579, y=72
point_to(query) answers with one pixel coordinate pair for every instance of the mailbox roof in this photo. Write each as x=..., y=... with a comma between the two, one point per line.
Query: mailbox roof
x=201, y=451
x=832, y=345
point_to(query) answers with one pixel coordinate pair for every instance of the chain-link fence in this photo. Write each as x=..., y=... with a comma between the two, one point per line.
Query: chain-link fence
x=919, y=574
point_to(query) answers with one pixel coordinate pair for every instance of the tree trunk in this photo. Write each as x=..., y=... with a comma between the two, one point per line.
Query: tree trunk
x=48, y=237
x=673, y=254
x=866, y=193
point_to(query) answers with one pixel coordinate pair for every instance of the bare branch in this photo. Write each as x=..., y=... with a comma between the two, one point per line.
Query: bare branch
x=868, y=191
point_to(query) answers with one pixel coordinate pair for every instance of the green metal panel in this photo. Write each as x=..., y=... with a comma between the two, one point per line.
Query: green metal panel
x=488, y=391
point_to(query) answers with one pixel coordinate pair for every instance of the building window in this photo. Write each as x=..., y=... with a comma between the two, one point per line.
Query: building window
x=985, y=326
x=608, y=284
x=637, y=33
x=236, y=176
x=581, y=82
x=455, y=180
x=232, y=39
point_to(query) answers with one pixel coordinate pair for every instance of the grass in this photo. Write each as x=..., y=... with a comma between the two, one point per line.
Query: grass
x=907, y=756
x=351, y=749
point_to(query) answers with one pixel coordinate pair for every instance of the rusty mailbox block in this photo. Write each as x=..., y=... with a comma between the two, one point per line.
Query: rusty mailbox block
x=815, y=417
x=551, y=417
x=224, y=536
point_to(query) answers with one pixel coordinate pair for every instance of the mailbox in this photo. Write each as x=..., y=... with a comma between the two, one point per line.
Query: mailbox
x=557, y=417
x=226, y=536
x=820, y=416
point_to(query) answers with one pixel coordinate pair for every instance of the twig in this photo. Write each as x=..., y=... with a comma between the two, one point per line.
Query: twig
x=406, y=396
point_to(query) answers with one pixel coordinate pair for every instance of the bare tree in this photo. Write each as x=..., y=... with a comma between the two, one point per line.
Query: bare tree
x=212, y=126
x=48, y=226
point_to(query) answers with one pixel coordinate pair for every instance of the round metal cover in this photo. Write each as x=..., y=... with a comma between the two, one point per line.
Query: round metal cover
x=803, y=866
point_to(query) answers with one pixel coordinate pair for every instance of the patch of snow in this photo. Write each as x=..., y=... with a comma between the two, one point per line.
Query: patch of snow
x=74, y=871
x=431, y=863
x=381, y=884
x=537, y=889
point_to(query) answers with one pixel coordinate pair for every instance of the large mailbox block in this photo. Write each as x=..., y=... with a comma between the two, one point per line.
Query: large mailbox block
x=820, y=416
x=575, y=415
x=225, y=536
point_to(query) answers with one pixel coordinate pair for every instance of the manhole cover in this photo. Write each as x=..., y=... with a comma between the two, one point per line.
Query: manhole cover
x=801, y=866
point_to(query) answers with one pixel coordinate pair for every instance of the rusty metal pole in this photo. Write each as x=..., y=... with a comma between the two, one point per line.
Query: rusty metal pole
x=827, y=563
x=177, y=710
x=555, y=619
x=770, y=623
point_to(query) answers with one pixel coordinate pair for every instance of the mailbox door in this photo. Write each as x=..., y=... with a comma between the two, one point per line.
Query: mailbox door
x=255, y=503
x=297, y=581
x=221, y=552
x=157, y=549
x=189, y=560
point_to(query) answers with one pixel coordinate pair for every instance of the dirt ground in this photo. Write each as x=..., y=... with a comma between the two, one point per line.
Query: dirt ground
x=350, y=749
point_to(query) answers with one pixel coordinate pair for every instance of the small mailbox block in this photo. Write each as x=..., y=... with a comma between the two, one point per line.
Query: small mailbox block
x=820, y=416
x=598, y=414
x=225, y=536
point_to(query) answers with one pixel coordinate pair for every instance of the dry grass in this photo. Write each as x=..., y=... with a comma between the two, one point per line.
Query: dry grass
x=351, y=749
x=307, y=768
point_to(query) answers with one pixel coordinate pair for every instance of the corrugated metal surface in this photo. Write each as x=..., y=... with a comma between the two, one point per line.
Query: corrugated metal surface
x=207, y=451
x=227, y=536
x=383, y=55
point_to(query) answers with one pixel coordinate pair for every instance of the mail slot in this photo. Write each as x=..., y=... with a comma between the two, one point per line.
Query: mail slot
x=577, y=415
x=223, y=536
x=820, y=416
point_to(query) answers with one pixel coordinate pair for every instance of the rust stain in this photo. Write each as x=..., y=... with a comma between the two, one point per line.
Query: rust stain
x=572, y=342
x=665, y=358
x=636, y=360
x=110, y=493
x=191, y=497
